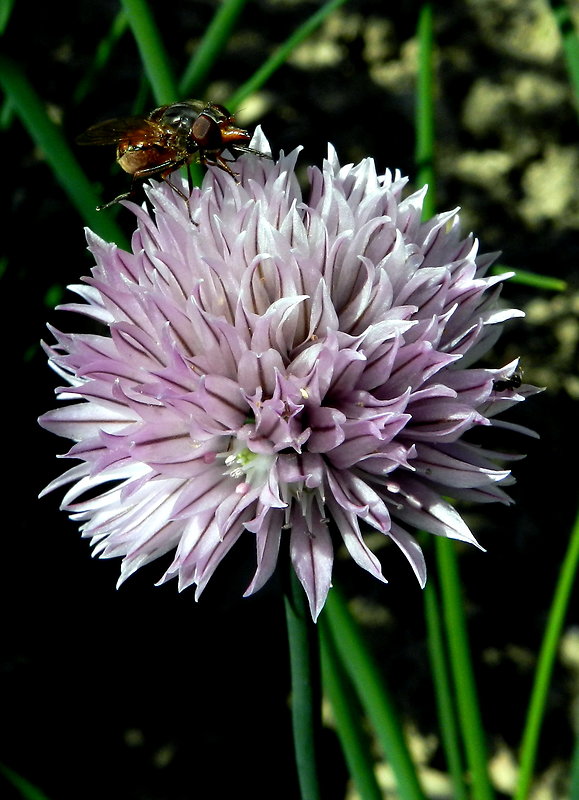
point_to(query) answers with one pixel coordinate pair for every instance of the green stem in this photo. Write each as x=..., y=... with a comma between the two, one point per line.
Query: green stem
x=49, y=138
x=25, y=789
x=348, y=719
x=369, y=684
x=570, y=39
x=574, y=782
x=102, y=56
x=214, y=40
x=462, y=671
x=426, y=175
x=305, y=677
x=545, y=663
x=425, y=92
x=153, y=54
x=280, y=56
x=444, y=699
x=6, y=9
x=534, y=279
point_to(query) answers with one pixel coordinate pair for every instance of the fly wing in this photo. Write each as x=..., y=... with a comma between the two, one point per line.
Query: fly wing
x=127, y=129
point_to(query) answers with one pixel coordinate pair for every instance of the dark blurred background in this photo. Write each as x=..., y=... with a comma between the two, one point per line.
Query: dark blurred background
x=143, y=694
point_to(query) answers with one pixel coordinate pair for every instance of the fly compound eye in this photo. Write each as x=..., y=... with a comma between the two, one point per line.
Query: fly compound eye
x=206, y=132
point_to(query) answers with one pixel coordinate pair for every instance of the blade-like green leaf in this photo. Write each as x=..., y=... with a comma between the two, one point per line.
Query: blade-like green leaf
x=472, y=729
x=348, y=718
x=570, y=38
x=152, y=51
x=445, y=704
x=56, y=150
x=6, y=8
x=546, y=660
x=368, y=681
x=305, y=676
x=282, y=53
x=102, y=55
x=214, y=40
x=424, y=117
x=28, y=791
x=545, y=282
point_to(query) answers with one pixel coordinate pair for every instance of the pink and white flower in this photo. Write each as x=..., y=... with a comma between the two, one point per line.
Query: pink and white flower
x=294, y=367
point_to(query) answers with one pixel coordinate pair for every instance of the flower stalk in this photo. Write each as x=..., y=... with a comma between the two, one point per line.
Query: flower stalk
x=368, y=680
x=305, y=686
x=544, y=671
x=461, y=668
x=348, y=717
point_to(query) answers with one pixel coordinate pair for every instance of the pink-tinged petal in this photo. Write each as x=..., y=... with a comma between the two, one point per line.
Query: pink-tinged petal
x=206, y=493
x=439, y=466
x=147, y=532
x=211, y=554
x=274, y=328
x=267, y=539
x=312, y=556
x=411, y=549
x=442, y=420
x=511, y=426
x=183, y=567
x=161, y=540
x=351, y=492
x=349, y=527
x=314, y=368
x=416, y=503
x=235, y=507
x=222, y=400
x=75, y=421
x=93, y=308
x=323, y=317
x=258, y=371
x=484, y=494
x=390, y=458
x=76, y=473
x=303, y=469
x=365, y=438
x=327, y=429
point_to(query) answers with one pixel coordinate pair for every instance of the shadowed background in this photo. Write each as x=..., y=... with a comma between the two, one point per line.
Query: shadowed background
x=143, y=694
